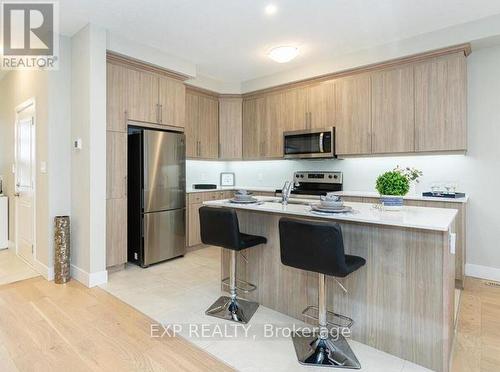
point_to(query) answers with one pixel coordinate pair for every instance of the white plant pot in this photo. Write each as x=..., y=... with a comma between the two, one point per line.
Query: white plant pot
x=391, y=202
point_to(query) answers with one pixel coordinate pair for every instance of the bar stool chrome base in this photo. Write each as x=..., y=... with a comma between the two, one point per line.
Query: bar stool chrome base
x=330, y=352
x=237, y=310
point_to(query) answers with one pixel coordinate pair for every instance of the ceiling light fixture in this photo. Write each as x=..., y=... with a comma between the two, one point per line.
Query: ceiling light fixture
x=283, y=54
x=271, y=9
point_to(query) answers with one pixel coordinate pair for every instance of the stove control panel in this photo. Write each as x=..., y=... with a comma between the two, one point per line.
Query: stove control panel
x=318, y=177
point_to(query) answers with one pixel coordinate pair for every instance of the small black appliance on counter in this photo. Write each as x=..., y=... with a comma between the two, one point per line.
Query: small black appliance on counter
x=451, y=195
x=204, y=186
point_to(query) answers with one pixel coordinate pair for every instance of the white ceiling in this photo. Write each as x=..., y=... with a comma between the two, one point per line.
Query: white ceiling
x=229, y=39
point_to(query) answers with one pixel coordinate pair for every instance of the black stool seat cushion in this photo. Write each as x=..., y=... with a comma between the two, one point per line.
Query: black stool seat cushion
x=220, y=227
x=316, y=246
x=247, y=241
x=354, y=262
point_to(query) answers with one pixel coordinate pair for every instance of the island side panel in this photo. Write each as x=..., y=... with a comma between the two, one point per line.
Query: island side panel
x=396, y=299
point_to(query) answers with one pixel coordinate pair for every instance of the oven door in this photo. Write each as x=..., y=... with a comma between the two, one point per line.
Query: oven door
x=313, y=143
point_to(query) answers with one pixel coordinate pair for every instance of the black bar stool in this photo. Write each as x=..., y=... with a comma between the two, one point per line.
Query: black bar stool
x=219, y=227
x=319, y=247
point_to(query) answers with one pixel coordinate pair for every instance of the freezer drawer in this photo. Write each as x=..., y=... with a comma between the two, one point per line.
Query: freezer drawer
x=164, y=235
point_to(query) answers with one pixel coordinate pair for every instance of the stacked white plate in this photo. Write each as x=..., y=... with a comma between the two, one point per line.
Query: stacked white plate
x=330, y=207
x=243, y=198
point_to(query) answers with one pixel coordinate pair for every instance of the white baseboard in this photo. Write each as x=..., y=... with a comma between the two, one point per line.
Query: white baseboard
x=89, y=279
x=482, y=272
x=44, y=270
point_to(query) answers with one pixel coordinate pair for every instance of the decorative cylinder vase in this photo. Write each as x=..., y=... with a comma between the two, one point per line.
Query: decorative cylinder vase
x=391, y=202
x=62, y=251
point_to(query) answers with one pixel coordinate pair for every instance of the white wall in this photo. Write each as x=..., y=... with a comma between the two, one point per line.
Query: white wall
x=120, y=45
x=51, y=91
x=88, y=166
x=477, y=173
x=59, y=140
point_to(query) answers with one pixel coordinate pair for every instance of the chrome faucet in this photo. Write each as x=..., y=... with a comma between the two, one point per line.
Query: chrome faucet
x=286, y=191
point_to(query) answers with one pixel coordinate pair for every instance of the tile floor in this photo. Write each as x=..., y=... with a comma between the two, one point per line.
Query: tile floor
x=179, y=292
x=13, y=268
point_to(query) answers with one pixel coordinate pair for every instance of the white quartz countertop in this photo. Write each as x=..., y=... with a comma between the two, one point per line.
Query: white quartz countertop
x=359, y=194
x=438, y=219
x=371, y=194
x=190, y=190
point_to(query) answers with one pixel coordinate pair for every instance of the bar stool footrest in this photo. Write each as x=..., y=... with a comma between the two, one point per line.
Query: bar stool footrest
x=241, y=285
x=332, y=319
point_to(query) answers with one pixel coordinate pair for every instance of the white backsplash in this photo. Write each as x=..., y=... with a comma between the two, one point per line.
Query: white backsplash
x=359, y=173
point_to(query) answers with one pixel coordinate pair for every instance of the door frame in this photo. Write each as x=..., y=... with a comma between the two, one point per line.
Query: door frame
x=30, y=103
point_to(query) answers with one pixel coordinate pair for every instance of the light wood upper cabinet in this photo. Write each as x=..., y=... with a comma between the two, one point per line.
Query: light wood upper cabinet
x=202, y=126
x=116, y=97
x=272, y=133
x=441, y=104
x=353, y=115
x=172, y=100
x=208, y=116
x=142, y=92
x=230, y=128
x=393, y=114
x=144, y=96
x=191, y=129
x=294, y=109
x=321, y=105
x=254, y=120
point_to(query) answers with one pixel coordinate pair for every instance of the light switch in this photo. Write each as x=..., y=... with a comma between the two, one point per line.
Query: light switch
x=43, y=167
x=453, y=242
x=77, y=144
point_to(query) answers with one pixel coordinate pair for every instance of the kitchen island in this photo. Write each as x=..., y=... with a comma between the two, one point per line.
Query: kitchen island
x=401, y=301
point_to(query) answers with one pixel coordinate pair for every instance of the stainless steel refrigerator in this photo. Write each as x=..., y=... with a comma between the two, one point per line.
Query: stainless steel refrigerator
x=156, y=195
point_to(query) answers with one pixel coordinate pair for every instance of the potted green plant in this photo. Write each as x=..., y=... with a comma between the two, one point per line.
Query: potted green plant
x=395, y=184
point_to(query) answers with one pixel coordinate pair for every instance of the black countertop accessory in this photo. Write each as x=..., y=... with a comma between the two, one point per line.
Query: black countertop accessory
x=204, y=186
x=452, y=195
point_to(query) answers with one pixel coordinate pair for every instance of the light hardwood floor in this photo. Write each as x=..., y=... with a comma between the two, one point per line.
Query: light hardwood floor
x=49, y=327
x=46, y=327
x=477, y=341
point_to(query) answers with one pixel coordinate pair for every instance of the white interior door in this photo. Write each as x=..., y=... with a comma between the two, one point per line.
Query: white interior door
x=25, y=165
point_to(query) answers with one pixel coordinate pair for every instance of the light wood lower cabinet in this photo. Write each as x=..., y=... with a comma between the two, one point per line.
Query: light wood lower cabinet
x=393, y=114
x=194, y=203
x=116, y=232
x=441, y=104
x=194, y=237
x=460, y=227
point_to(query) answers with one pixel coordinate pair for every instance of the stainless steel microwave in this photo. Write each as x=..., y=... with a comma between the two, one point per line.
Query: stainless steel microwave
x=311, y=143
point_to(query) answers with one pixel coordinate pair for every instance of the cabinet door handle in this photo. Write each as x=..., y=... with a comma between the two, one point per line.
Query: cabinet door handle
x=157, y=112
x=161, y=113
